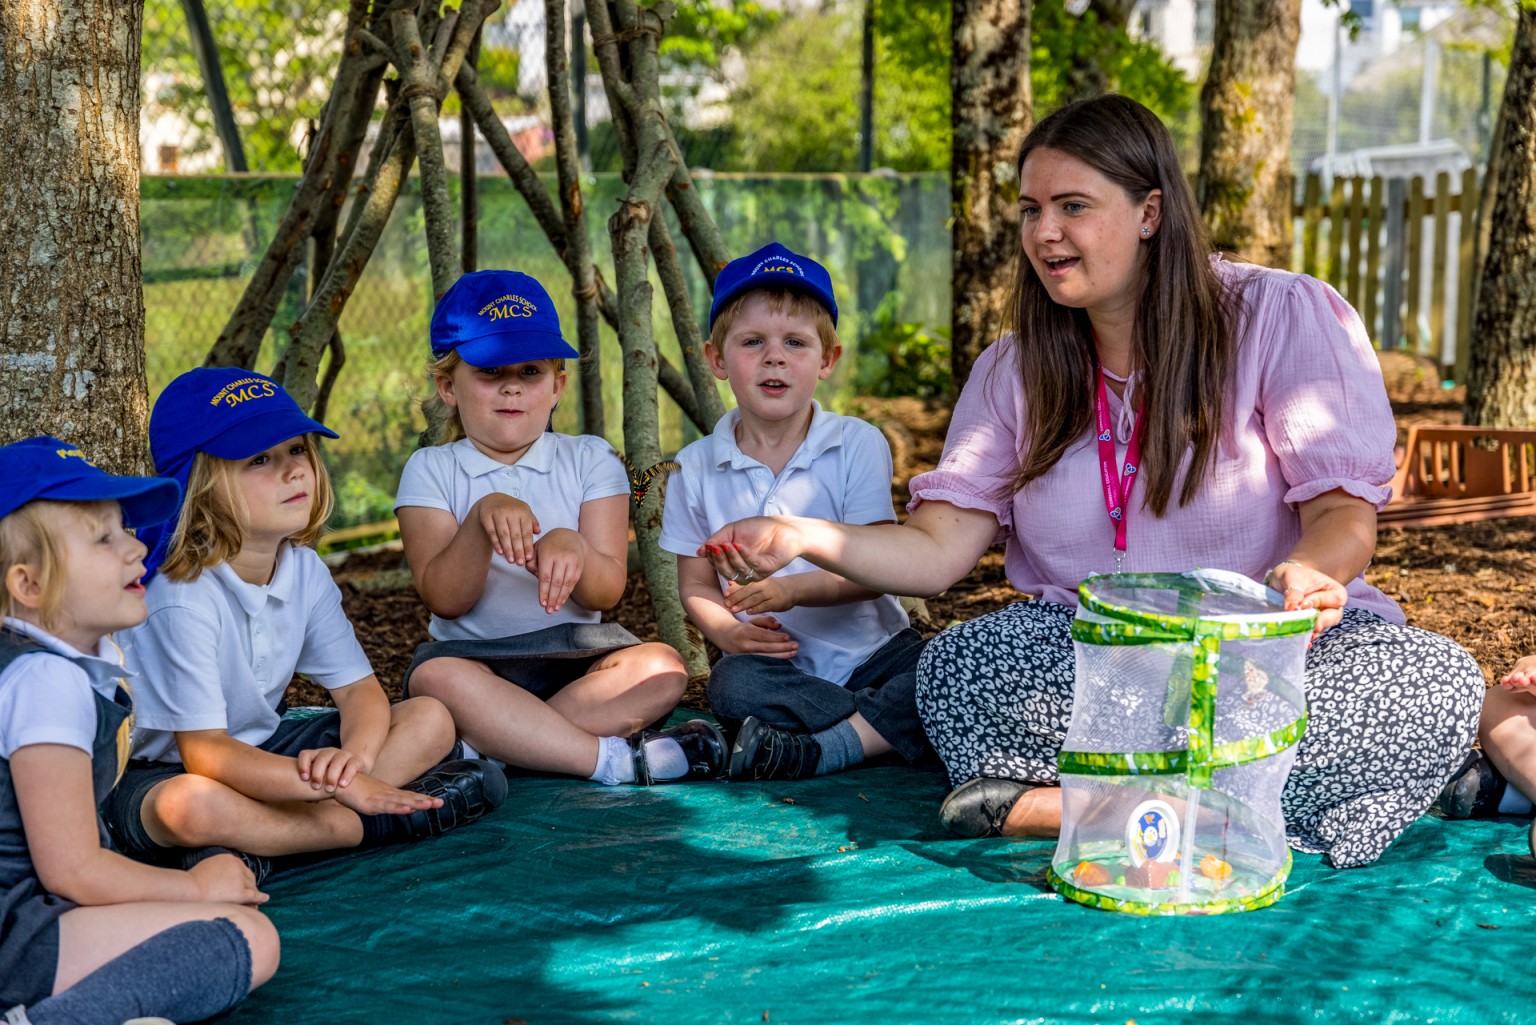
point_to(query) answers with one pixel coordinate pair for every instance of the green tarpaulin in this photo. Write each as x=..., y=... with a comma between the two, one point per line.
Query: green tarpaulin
x=840, y=900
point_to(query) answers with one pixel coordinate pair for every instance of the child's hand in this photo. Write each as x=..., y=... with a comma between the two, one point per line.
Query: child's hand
x=558, y=560
x=760, y=596
x=369, y=796
x=225, y=879
x=1522, y=677
x=509, y=524
x=328, y=768
x=763, y=635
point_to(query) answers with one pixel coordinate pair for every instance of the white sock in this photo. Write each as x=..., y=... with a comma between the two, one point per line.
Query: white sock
x=665, y=758
x=1514, y=803
x=615, y=763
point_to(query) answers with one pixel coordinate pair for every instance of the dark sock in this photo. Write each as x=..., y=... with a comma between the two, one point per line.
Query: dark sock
x=189, y=972
x=840, y=748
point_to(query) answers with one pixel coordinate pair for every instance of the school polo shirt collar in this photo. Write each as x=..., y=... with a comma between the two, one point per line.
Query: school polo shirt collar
x=103, y=666
x=253, y=597
x=826, y=432
x=540, y=457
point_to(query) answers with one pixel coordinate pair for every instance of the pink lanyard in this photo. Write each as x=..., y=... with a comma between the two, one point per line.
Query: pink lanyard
x=1117, y=488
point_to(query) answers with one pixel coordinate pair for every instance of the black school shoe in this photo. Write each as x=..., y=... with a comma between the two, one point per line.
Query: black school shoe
x=703, y=745
x=469, y=787
x=1473, y=791
x=766, y=752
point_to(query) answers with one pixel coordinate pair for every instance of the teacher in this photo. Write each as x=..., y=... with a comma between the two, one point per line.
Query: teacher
x=1156, y=408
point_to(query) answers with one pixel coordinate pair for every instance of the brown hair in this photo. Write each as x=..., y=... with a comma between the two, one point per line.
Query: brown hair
x=443, y=422
x=30, y=535
x=211, y=527
x=785, y=301
x=1186, y=320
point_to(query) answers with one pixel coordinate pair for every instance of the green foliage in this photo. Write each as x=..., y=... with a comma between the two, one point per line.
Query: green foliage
x=703, y=31
x=359, y=500
x=798, y=107
x=279, y=57
x=903, y=359
x=1132, y=66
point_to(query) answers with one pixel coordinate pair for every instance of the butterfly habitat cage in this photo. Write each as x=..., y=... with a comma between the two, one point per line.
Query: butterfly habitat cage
x=1187, y=708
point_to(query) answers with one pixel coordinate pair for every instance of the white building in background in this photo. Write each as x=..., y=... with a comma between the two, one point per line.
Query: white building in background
x=1183, y=29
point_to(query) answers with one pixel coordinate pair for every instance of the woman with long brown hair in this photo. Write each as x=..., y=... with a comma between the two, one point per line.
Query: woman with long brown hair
x=1156, y=408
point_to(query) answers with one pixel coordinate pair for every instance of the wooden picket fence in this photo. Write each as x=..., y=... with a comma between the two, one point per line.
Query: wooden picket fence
x=1401, y=252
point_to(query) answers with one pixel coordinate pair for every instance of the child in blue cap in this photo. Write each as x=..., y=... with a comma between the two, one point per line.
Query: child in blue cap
x=86, y=935
x=238, y=604
x=517, y=539
x=819, y=673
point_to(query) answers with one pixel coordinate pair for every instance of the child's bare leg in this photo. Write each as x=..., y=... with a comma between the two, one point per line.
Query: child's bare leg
x=194, y=811
x=874, y=744
x=1508, y=734
x=420, y=735
x=90, y=937
x=504, y=721
x=625, y=691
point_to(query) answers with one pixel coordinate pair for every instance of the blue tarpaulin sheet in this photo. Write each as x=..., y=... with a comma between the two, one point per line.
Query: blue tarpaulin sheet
x=840, y=899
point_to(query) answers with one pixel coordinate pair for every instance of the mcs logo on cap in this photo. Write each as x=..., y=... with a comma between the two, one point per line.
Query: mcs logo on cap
x=498, y=318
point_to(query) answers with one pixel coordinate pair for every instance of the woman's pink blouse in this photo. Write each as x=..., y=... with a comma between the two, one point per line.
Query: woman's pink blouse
x=1308, y=413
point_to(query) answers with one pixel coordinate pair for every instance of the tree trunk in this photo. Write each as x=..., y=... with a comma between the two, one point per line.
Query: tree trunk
x=71, y=293
x=1501, y=379
x=990, y=112
x=1245, y=186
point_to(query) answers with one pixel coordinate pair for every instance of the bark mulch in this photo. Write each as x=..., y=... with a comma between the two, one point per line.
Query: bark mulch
x=1473, y=582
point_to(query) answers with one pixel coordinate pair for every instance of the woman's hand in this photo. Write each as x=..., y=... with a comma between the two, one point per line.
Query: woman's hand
x=1522, y=677
x=761, y=596
x=752, y=549
x=1306, y=588
x=558, y=560
x=509, y=524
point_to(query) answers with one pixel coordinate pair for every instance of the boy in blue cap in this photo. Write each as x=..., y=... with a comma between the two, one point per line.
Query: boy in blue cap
x=239, y=603
x=87, y=935
x=820, y=673
x=517, y=537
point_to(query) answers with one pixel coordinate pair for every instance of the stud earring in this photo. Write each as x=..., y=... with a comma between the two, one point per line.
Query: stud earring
x=1146, y=232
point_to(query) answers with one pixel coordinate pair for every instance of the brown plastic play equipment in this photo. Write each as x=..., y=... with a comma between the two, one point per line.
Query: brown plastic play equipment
x=1461, y=474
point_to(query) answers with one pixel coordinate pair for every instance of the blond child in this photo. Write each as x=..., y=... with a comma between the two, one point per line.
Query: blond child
x=819, y=672
x=517, y=539
x=88, y=937
x=239, y=603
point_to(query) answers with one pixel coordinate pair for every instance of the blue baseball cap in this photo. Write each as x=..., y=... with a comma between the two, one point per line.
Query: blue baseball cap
x=228, y=412
x=495, y=318
x=47, y=468
x=773, y=266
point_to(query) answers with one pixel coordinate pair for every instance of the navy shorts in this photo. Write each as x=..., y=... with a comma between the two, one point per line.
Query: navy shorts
x=123, y=809
x=541, y=662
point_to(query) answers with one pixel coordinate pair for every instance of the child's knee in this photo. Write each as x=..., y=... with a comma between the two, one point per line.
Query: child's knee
x=660, y=664
x=261, y=936
x=1506, y=710
x=188, y=811
x=425, y=720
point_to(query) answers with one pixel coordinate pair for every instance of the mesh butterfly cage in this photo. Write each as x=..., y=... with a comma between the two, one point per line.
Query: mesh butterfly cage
x=1187, y=707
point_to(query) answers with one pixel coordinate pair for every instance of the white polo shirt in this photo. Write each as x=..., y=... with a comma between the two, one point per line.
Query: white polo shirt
x=555, y=476
x=217, y=653
x=46, y=699
x=841, y=472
